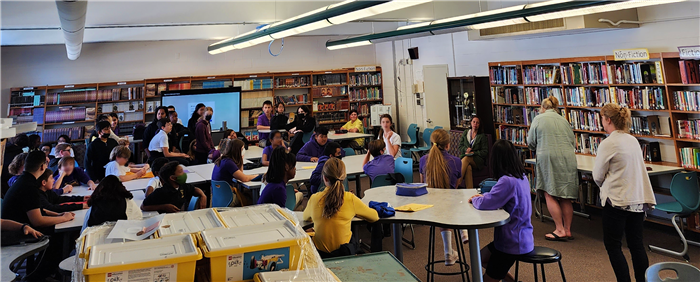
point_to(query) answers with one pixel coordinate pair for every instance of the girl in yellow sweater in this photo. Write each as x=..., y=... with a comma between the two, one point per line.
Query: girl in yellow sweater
x=332, y=211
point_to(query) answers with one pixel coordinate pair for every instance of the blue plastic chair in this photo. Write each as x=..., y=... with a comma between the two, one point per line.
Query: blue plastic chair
x=307, y=136
x=222, y=194
x=349, y=151
x=413, y=134
x=291, y=198
x=686, y=192
x=381, y=180
x=684, y=272
x=406, y=153
x=193, y=203
x=405, y=167
x=437, y=127
x=426, y=138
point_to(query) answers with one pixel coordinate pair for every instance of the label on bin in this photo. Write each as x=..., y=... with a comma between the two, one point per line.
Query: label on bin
x=244, y=266
x=165, y=273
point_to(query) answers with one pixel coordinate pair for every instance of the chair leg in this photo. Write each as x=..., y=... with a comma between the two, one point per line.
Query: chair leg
x=460, y=253
x=517, y=265
x=561, y=270
x=410, y=243
x=534, y=268
x=683, y=253
x=431, y=253
x=544, y=278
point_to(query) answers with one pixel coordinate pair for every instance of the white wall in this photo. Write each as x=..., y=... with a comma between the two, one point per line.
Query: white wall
x=106, y=62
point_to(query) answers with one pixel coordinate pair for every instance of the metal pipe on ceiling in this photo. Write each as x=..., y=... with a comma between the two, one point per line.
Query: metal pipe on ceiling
x=72, y=15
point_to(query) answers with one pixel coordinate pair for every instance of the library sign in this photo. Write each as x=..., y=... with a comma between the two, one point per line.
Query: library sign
x=365, y=68
x=689, y=52
x=631, y=54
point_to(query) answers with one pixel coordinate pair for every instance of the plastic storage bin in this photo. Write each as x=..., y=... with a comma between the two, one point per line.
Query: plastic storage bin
x=167, y=259
x=254, y=215
x=308, y=275
x=94, y=238
x=189, y=222
x=237, y=254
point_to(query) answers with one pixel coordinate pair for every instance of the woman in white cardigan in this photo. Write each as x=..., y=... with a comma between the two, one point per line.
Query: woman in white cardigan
x=625, y=192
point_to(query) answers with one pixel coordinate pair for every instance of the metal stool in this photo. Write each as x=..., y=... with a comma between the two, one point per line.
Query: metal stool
x=542, y=256
x=430, y=267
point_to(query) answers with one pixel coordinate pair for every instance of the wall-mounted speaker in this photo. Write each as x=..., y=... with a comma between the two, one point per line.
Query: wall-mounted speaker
x=413, y=53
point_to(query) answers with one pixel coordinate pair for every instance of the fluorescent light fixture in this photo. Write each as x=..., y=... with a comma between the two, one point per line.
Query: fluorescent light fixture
x=354, y=44
x=414, y=25
x=320, y=18
x=600, y=9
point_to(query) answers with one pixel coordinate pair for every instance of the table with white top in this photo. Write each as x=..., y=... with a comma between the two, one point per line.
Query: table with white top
x=348, y=136
x=11, y=255
x=270, y=130
x=450, y=209
x=253, y=152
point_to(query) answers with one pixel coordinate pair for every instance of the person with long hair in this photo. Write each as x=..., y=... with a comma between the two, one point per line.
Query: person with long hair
x=275, y=142
x=198, y=112
x=111, y=202
x=512, y=194
x=230, y=165
x=332, y=211
x=391, y=138
x=556, y=171
x=303, y=123
x=625, y=192
x=439, y=169
x=332, y=150
x=203, y=137
x=279, y=118
x=473, y=149
x=13, y=148
x=282, y=168
x=152, y=128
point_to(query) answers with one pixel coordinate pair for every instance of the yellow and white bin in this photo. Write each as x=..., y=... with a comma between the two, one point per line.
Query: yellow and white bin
x=166, y=259
x=237, y=254
x=189, y=222
x=252, y=215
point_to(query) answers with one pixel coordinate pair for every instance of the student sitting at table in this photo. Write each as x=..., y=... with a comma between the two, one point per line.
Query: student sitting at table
x=68, y=175
x=154, y=183
x=160, y=146
x=53, y=202
x=512, y=194
x=332, y=211
x=282, y=168
x=117, y=166
x=175, y=195
x=22, y=204
x=274, y=142
x=62, y=150
x=313, y=149
x=264, y=121
x=381, y=163
x=229, y=166
x=439, y=169
x=97, y=155
x=332, y=150
x=16, y=168
x=354, y=125
x=111, y=202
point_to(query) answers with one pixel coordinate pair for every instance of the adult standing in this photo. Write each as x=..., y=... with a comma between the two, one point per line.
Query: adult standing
x=354, y=125
x=391, y=138
x=303, y=123
x=97, y=155
x=203, y=137
x=473, y=148
x=198, y=112
x=625, y=192
x=556, y=171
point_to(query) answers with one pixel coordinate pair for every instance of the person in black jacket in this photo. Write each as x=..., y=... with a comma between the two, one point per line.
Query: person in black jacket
x=279, y=119
x=11, y=150
x=176, y=133
x=98, y=151
x=111, y=202
x=152, y=128
x=198, y=112
x=175, y=194
x=303, y=123
x=52, y=201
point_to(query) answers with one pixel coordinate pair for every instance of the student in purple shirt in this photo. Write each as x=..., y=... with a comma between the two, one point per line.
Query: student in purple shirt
x=439, y=169
x=332, y=150
x=230, y=165
x=16, y=167
x=313, y=149
x=282, y=168
x=512, y=194
x=274, y=142
x=68, y=176
x=264, y=119
x=381, y=164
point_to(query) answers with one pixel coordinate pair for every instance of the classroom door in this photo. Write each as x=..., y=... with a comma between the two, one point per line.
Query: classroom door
x=437, y=111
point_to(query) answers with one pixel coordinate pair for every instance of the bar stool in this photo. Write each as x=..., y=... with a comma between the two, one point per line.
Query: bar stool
x=430, y=267
x=542, y=256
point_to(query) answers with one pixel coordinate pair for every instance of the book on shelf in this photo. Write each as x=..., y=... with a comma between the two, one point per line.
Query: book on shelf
x=686, y=100
x=177, y=86
x=366, y=79
x=255, y=99
x=291, y=82
x=689, y=129
x=690, y=71
x=330, y=117
x=292, y=99
x=690, y=157
x=330, y=79
x=90, y=113
x=66, y=114
x=160, y=88
x=254, y=83
x=504, y=75
x=516, y=135
x=541, y=74
x=646, y=98
x=216, y=84
x=498, y=95
x=150, y=90
x=588, y=143
x=77, y=96
x=535, y=95
x=51, y=134
x=587, y=96
x=635, y=73
x=368, y=93
x=328, y=91
x=584, y=73
x=514, y=96
x=26, y=99
x=585, y=120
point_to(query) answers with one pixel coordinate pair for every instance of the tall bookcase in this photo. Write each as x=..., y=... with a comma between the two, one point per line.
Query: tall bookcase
x=664, y=109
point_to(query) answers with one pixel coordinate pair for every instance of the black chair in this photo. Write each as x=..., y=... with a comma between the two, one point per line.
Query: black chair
x=463, y=266
x=541, y=256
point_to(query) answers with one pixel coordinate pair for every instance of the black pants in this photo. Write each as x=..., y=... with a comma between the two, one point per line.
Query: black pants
x=53, y=255
x=617, y=222
x=297, y=142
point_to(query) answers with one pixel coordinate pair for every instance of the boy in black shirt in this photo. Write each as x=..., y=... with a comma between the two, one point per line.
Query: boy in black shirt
x=175, y=194
x=97, y=155
x=53, y=202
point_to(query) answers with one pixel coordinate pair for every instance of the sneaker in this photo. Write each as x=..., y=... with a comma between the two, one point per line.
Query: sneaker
x=465, y=237
x=450, y=259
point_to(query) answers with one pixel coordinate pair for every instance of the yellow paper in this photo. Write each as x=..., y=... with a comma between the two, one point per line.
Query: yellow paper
x=308, y=167
x=148, y=175
x=412, y=207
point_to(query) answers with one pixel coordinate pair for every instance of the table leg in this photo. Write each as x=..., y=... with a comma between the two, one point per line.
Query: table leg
x=475, y=255
x=398, y=234
x=358, y=186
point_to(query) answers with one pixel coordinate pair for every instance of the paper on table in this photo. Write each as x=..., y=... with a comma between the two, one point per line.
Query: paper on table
x=412, y=207
x=129, y=229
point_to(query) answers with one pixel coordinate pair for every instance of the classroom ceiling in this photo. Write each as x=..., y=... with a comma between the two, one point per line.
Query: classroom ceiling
x=36, y=22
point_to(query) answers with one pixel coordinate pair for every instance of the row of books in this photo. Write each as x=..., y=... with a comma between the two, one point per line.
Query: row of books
x=541, y=74
x=126, y=93
x=292, y=99
x=361, y=94
x=587, y=143
x=635, y=73
x=330, y=117
x=587, y=96
x=50, y=135
x=648, y=125
x=330, y=79
x=331, y=106
x=504, y=75
x=515, y=115
x=690, y=157
x=328, y=91
x=362, y=109
x=151, y=106
x=690, y=71
x=26, y=99
x=154, y=89
x=21, y=111
x=24, y=119
x=208, y=84
x=689, y=129
x=647, y=98
x=584, y=73
x=291, y=82
x=66, y=115
x=535, y=95
x=254, y=84
x=647, y=149
x=250, y=118
x=591, y=193
x=122, y=107
x=366, y=79
x=585, y=120
x=516, y=135
x=84, y=96
x=686, y=100
x=255, y=99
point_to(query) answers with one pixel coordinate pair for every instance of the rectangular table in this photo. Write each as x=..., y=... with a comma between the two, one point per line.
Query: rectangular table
x=382, y=266
x=348, y=136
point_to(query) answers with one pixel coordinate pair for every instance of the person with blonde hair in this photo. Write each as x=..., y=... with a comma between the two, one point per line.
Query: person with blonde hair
x=439, y=169
x=332, y=211
x=117, y=166
x=556, y=172
x=625, y=192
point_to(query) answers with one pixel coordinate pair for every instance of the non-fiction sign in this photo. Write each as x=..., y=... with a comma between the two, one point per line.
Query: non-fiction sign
x=631, y=54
